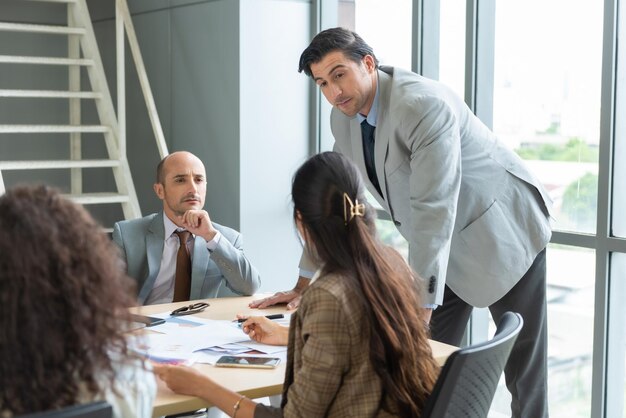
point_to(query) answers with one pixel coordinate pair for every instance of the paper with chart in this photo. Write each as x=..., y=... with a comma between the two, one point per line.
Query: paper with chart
x=198, y=340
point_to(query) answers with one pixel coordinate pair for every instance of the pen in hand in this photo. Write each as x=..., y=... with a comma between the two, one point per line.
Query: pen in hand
x=273, y=316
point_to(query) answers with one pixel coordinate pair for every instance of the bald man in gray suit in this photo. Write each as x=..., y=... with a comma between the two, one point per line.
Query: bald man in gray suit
x=149, y=245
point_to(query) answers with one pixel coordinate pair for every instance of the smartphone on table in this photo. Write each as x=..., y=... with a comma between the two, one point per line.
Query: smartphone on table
x=248, y=361
x=149, y=321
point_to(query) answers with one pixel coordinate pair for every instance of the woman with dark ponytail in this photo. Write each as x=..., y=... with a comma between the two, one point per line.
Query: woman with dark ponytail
x=357, y=345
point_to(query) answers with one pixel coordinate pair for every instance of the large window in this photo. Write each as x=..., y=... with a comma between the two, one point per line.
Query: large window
x=570, y=298
x=386, y=26
x=547, y=98
x=547, y=108
x=452, y=45
x=619, y=170
x=616, y=357
x=619, y=184
x=617, y=337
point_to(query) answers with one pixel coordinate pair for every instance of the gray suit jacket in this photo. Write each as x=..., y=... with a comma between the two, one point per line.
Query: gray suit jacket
x=474, y=216
x=141, y=242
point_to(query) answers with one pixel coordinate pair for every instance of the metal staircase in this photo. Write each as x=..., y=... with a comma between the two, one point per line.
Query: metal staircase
x=82, y=54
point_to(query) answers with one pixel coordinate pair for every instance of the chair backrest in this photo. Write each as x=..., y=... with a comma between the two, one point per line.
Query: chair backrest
x=100, y=409
x=469, y=378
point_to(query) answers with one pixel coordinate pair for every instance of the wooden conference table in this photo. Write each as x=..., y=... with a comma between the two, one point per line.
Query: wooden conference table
x=253, y=383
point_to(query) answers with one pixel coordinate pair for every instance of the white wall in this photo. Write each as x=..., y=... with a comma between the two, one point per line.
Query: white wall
x=274, y=126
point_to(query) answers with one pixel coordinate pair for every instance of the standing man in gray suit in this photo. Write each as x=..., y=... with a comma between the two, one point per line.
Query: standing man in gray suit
x=477, y=221
x=150, y=245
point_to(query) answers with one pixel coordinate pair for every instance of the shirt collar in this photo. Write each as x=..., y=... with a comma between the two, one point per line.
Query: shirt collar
x=373, y=114
x=170, y=227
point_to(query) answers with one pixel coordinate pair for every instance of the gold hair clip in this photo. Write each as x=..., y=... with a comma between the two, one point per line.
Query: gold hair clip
x=356, y=208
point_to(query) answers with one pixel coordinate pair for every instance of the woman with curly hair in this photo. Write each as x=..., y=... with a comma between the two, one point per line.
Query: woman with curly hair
x=63, y=304
x=357, y=346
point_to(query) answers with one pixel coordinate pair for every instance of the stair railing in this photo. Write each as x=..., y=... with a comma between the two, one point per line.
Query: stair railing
x=124, y=23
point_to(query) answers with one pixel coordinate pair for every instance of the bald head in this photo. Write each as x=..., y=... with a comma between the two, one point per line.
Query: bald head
x=176, y=156
x=181, y=183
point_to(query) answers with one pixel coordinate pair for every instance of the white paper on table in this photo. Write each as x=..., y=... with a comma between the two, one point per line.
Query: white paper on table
x=200, y=340
x=180, y=342
x=263, y=348
x=161, y=347
x=206, y=356
x=285, y=321
x=174, y=323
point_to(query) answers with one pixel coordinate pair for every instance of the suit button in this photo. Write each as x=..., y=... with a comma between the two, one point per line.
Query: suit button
x=431, y=284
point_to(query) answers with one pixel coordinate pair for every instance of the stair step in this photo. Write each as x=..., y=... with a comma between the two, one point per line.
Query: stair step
x=16, y=59
x=97, y=198
x=49, y=164
x=78, y=28
x=49, y=129
x=51, y=94
x=34, y=28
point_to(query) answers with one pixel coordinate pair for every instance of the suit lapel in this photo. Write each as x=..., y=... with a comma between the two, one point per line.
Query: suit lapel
x=381, y=145
x=155, y=241
x=199, y=265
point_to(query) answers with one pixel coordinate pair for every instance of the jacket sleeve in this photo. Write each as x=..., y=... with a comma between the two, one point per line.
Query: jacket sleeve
x=307, y=263
x=433, y=142
x=119, y=241
x=240, y=275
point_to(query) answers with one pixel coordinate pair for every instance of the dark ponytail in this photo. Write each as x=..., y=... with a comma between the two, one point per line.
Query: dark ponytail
x=324, y=190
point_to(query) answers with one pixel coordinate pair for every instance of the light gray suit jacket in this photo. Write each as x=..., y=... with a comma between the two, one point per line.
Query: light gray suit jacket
x=474, y=216
x=141, y=242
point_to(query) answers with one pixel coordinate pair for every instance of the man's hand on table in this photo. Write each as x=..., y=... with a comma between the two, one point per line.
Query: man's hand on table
x=290, y=297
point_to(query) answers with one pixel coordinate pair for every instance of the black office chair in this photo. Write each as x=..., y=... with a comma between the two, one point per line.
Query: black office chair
x=469, y=378
x=100, y=409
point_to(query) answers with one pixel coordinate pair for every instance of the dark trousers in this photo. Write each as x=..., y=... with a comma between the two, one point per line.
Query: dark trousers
x=526, y=371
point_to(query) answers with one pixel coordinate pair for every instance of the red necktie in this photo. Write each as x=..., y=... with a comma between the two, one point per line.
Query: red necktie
x=182, y=283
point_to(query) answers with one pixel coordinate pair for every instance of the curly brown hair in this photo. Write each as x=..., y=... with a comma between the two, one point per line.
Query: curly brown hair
x=63, y=300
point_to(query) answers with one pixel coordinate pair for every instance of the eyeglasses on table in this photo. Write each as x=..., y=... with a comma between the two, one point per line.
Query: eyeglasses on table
x=190, y=309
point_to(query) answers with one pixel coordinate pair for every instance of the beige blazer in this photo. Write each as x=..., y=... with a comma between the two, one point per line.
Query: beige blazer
x=329, y=372
x=474, y=216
